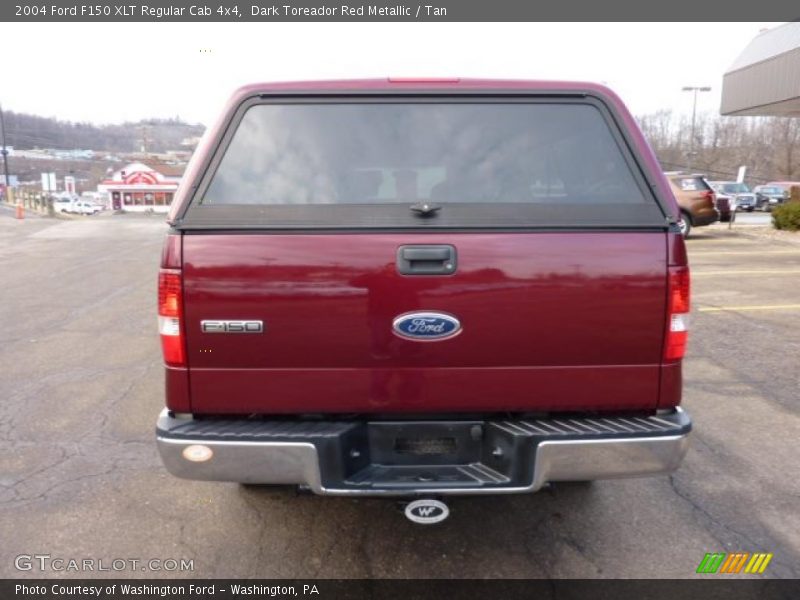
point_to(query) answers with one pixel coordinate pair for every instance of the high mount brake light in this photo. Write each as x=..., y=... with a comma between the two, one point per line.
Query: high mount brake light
x=424, y=79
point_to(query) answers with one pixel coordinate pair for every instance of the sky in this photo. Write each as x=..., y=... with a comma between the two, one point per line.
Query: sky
x=114, y=72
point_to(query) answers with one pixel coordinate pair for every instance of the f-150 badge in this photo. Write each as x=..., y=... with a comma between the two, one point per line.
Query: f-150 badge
x=232, y=326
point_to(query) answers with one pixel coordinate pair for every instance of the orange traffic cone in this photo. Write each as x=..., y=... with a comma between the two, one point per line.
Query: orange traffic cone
x=20, y=212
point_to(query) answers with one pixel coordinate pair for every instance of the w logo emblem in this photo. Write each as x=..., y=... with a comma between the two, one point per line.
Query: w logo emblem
x=427, y=511
x=424, y=511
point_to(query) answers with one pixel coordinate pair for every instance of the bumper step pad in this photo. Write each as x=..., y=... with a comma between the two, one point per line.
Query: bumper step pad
x=402, y=457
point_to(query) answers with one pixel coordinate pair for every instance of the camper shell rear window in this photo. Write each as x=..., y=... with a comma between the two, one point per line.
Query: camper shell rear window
x=374, y=162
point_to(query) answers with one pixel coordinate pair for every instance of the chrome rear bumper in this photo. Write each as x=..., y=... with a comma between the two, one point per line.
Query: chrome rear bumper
x=365, y=459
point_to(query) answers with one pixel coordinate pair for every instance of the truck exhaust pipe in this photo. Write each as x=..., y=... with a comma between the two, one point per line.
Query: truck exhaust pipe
x=426, y=511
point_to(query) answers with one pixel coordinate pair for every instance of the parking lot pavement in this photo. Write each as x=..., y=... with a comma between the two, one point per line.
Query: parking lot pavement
x=753, y=218
x=80, y=477
x=9, y=211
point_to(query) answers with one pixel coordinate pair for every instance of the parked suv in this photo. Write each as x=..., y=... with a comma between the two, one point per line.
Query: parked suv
x=696, y=200
x=770, y=196
x=738, y=194
x=420, y=289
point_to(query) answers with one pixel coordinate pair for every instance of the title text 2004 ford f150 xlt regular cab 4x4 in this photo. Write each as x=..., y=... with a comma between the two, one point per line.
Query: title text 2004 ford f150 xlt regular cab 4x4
x=423, y=288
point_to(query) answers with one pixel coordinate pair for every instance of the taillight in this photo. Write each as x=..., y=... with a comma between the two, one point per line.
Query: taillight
x=710, y=197
x=170, y=311
x=170, y=303
x=678, y=313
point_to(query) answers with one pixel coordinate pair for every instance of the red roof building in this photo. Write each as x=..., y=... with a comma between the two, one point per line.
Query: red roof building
x=139, y=187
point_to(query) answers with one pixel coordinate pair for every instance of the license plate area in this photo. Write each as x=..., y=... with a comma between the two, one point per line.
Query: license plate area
x=424, y=446
x=439, y=443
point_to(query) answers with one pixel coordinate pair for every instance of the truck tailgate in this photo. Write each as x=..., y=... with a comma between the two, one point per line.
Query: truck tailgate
x=551, y=321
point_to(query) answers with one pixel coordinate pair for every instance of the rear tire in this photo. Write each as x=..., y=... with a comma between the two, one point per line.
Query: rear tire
x=685, y=224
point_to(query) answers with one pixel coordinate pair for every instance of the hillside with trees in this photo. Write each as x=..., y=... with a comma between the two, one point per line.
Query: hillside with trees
x=25, y=132
x=769, y=146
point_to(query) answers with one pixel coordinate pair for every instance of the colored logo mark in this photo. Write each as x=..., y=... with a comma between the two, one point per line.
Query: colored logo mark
x=735, y=562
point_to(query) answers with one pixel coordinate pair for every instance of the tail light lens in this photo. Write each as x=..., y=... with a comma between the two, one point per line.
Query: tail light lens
x=170, y=303
x=170, y=314
x=172, y=326
x=678, y=313
x=710, y=197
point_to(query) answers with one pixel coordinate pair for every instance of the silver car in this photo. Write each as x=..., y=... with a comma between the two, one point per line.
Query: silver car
x=739, y=195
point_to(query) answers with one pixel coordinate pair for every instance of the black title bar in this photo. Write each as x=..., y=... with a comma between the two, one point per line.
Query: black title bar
x=388, y=10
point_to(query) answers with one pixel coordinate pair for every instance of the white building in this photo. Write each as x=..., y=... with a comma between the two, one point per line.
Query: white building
x=140, y=187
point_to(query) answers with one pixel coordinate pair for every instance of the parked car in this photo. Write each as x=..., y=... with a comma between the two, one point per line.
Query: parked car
x=696, y=200
x=98, y=199
x=739, y=196
x=786, y=186
x=440, y=303
x=723, y=205
x=82, y=207
x=769, y=196
x=62, y=204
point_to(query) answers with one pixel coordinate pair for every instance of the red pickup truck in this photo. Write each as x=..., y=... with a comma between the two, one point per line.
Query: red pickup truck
x=423, y=288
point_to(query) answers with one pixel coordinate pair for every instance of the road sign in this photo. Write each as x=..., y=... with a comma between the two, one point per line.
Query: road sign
x=48, y=182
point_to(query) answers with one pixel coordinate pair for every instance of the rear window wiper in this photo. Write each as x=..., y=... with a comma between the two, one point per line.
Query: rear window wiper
x=425, y=209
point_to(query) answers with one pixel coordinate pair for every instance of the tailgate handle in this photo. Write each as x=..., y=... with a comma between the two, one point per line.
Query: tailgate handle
x=426, y=260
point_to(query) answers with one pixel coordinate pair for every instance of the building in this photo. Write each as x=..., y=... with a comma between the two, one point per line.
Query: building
x=765, y=79
x=142, y=187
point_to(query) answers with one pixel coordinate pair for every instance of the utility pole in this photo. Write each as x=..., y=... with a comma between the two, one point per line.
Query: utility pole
x=145, y=138
x=693, y=89
x=5, y=156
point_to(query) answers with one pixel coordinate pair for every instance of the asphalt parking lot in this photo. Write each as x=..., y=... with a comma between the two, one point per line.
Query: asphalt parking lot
x=80, y=477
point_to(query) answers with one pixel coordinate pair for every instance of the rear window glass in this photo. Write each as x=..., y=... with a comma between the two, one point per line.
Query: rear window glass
x=560, y=161
x=735, y=188
x=691, y=184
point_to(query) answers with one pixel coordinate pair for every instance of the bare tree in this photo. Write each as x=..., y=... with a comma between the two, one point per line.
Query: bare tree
x=768, y=146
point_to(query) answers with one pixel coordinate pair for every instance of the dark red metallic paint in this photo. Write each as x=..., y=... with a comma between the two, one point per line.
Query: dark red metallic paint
x=424, y=390
x=671, y=385
x=552, y=321
x=543, y=314
x=176, y=385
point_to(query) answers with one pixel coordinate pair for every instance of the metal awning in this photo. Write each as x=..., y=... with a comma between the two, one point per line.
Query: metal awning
x=765, y=79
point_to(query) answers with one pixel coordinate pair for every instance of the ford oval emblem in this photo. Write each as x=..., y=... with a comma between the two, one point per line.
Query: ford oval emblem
x=426, y=326
x=427, y=511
